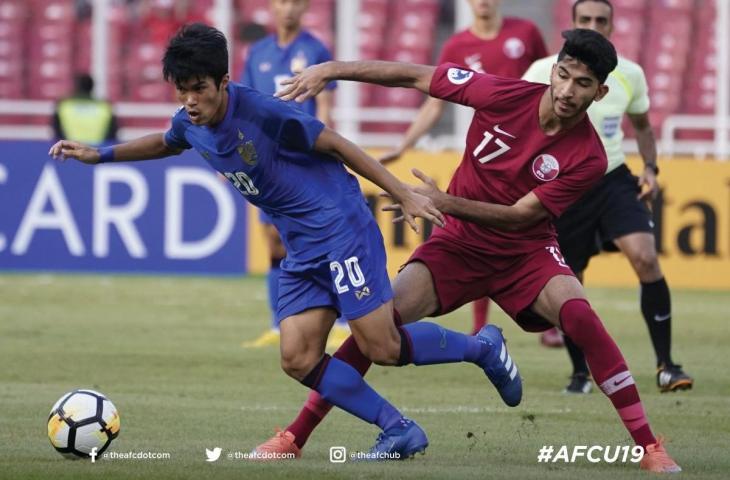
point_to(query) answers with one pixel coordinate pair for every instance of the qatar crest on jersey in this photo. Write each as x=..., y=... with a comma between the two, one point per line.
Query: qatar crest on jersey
x=545, y=167
x=514, y=48
x=457, y=76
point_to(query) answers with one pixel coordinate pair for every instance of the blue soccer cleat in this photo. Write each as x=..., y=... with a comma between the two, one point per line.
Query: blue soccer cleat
x=498, y=365
x=400, y=442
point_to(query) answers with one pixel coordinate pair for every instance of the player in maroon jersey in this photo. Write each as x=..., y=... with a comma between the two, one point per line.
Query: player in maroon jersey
x=503, y=46
x=530, y=152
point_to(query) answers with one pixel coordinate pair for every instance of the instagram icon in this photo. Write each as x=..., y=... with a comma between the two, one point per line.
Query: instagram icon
x=338, y=454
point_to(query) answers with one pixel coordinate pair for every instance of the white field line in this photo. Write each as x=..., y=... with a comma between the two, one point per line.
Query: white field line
x=432, y=410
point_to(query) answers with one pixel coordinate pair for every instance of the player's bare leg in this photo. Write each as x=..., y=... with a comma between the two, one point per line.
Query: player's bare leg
x=656, y=307
x=479, y=312
x=563, y=303
x=377, y=335
x=303, y=339
x=552, y=338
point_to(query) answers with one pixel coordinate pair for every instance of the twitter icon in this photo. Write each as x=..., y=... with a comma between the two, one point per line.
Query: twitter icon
x=213, y=455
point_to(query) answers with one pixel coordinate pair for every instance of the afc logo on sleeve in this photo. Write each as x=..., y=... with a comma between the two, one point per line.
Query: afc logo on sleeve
x=457, y=76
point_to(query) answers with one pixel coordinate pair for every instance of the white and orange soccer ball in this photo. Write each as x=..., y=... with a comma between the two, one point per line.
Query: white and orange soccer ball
x=80, y=421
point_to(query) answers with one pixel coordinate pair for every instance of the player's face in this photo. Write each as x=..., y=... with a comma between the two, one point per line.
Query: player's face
x=573, y=87
x=203, y=101
x=485, y=8
x=288, y=13
x=594, y=16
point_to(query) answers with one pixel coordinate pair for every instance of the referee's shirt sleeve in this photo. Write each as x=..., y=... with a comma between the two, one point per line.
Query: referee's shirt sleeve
x=640, y=100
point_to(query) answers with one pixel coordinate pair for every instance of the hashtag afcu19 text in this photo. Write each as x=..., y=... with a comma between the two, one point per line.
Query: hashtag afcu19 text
x=594, y=453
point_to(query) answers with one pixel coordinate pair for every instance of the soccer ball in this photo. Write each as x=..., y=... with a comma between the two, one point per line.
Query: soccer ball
x=80, y=421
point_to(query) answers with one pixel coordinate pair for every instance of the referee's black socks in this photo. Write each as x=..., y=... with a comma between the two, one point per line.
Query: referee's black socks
x=656, y=306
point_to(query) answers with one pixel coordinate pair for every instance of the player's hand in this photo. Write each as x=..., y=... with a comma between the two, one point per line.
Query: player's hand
x=649, y=188
x=391, y=156
x=412, y=205
x=428, y=188
x=305, y=85
x=415, y=203
x=64, y=149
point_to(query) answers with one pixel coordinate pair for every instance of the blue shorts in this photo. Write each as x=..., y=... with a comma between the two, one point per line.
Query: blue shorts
x=352, y=279
x=264, y=218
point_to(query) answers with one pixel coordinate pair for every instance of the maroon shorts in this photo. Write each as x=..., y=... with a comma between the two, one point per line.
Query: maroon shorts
x=462, y=274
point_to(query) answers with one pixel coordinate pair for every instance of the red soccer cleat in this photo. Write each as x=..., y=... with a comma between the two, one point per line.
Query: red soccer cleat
x=279, y=447
x=657, y=460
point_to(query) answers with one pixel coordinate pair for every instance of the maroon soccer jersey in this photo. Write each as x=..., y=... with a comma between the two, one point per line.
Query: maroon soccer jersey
x=509, y=54
x=508, y=155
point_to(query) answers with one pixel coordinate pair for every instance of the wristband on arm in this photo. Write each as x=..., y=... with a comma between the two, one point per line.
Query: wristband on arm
x=106, y=154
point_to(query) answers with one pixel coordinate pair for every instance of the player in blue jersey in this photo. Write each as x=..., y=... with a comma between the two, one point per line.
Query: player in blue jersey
x=281, y=55
x=291, y=166
x=270, y=61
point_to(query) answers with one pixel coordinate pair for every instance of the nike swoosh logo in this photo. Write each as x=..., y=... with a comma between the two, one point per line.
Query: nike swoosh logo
x=499, y=130
x=661, y=318
x=616, y=383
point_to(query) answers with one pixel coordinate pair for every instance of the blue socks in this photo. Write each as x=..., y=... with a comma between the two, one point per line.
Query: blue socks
x=422, y=343
x=343, y=386
x=431, y=344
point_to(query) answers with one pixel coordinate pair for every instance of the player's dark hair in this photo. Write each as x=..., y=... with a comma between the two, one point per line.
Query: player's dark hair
x=196, y=51
x=592, y=49
x=578, y=2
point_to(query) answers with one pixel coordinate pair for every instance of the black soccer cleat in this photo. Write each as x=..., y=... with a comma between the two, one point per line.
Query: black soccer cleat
x=580, y=384
x=671, y=378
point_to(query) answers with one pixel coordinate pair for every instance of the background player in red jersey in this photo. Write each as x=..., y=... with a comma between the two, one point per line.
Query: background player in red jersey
x=504, y=46
x=530, y=153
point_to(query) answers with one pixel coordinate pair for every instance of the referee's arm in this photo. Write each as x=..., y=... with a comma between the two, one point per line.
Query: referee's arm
x=647, y=150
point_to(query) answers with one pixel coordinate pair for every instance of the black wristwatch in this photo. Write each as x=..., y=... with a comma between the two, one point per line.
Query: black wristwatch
x=653, y=166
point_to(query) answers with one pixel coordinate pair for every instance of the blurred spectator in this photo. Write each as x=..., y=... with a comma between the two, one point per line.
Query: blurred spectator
x=83, y=118
x=504, y=46
x=162, y=18
x=285, y=53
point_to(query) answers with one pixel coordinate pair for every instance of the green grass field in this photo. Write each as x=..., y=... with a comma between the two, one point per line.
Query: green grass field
x=167, y=351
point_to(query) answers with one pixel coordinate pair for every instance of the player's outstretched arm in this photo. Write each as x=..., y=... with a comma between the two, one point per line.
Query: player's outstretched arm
x=525, y=212
x=313, y=79
x=411, y=202
x=143, y=148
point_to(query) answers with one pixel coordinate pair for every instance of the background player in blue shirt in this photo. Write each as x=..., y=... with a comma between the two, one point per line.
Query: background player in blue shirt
x=271, y=60
x=291, y=166
x=281, y=55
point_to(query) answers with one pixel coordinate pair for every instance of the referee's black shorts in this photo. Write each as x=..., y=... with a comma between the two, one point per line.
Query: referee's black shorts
x=609, y=211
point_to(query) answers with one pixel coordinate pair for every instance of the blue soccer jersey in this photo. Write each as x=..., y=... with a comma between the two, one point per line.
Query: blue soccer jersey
x=335, y=253
x=268, y=64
